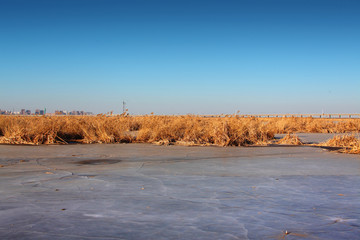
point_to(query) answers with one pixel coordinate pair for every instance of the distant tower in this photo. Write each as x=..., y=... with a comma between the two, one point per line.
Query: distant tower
x=124, y=106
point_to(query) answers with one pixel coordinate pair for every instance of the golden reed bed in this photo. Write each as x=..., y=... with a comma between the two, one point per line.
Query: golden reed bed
x=183, y=130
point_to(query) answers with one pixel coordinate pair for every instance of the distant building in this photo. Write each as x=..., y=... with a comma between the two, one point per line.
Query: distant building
x=5, y=112
x=43, y=112
x=75, y=112
x=60, y=112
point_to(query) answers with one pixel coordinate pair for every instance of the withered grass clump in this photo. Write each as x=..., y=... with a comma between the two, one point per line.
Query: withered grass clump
x=348, y=143
x=290, y=139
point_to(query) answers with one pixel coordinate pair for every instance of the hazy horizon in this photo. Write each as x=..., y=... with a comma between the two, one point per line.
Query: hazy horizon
x=180, y=57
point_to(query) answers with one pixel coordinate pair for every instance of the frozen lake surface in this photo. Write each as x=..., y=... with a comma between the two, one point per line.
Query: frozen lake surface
x=139, y=191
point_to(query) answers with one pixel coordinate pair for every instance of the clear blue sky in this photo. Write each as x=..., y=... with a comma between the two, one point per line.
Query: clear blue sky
x=181, y=56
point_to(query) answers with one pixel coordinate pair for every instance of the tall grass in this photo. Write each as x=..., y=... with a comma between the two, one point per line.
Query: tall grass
x=290, y=139
x=145, y=129
x=313, y=125
x=348, y=143
x=189, y=130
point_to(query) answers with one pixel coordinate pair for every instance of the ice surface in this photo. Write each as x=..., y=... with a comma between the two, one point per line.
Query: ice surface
x=139, y=191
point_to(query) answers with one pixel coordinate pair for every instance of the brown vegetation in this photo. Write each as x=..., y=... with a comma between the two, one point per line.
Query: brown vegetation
x=348, y=143
x=313, y=125
x=190, y=130
x=290, y=139
x=182, y=130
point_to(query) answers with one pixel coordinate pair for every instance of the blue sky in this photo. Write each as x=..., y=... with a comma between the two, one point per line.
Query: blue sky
x=180, y=56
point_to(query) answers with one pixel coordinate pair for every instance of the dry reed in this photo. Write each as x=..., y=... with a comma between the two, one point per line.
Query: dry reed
x=181, y=130
x=290, y=139
x=186, y=130
x=313, y=125
x=348, y=143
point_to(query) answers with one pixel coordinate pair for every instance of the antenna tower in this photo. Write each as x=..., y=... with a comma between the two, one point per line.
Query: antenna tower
x=124, y=106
